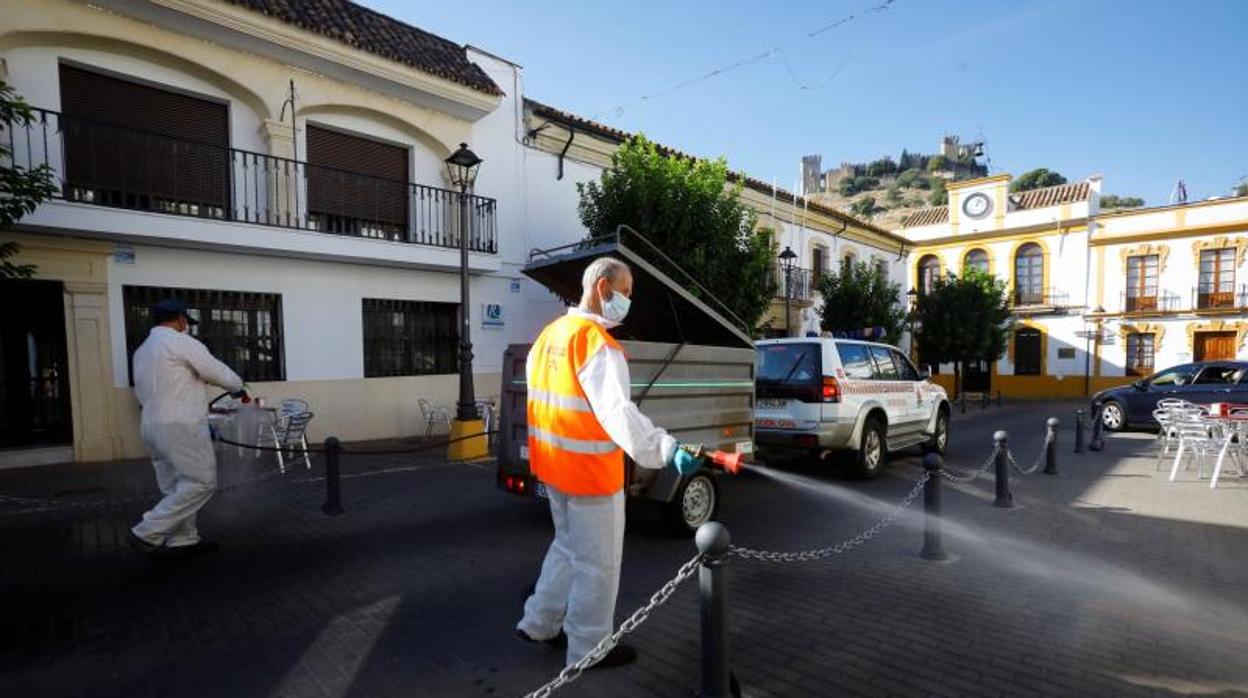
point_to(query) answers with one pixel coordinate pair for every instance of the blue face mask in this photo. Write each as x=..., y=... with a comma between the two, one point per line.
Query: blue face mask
x=615, y=308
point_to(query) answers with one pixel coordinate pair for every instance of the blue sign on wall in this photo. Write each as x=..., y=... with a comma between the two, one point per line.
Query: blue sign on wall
x=492, y=315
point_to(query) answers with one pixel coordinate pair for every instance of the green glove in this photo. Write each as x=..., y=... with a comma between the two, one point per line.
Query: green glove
x=685, y=462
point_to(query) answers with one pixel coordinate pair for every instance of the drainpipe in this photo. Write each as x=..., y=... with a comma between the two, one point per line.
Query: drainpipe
x=562, y=153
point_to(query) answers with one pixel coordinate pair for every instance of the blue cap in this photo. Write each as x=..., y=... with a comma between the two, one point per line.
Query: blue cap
x=171, y=309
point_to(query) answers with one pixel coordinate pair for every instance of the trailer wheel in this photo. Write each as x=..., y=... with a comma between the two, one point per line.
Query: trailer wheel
x=695, y=503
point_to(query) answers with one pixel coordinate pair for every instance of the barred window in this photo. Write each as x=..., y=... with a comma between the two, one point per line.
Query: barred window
x=410, y=338
x=1140, y=353
x=242, y=329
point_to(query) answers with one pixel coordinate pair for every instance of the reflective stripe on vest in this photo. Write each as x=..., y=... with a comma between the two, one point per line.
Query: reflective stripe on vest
x=568, y=449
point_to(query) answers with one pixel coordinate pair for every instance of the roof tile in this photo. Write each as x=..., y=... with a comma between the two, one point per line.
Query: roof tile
x=926, y=216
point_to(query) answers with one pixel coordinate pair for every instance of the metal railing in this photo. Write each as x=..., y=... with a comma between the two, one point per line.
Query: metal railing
x=1158, y=301
x=1219, y=297
x=800, y=286
x=118, y=167
x=1042, y=297
x=1197, y=298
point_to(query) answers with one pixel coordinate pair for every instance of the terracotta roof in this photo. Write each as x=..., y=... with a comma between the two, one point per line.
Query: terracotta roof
x=782, y=196
x=1051, y=196
x=926, y=216
x=364, y=29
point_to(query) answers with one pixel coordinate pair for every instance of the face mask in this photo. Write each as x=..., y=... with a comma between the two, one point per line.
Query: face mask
x=615, y=308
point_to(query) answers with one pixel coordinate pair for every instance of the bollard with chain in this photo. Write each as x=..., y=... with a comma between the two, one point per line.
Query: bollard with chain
x=1079, y=447
x=1000, y=462
x=712, y=541
x=333, y=499
x=932, y=548
x=1050, y=447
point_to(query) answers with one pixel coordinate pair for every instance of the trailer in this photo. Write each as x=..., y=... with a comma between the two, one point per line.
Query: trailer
x=691, y=364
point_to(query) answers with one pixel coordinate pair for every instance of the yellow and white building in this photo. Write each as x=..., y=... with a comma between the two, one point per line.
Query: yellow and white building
x=1099, y=298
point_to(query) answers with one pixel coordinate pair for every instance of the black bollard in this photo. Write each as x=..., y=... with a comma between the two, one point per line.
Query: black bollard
x=1079, y=448
x=983, y=400
x=1001, y=463
x=333, y=499
x=998, y=398
x=932, y=548
x=1098, y=438
x=962, y=403
x=712, y=541
x=1050, y=448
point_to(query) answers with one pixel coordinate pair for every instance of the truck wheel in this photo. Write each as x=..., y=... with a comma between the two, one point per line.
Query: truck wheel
x=940, y=435
x=872, y=450
x=695, y=503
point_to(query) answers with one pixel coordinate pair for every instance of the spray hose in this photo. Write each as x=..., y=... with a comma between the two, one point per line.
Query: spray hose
x=728, y=462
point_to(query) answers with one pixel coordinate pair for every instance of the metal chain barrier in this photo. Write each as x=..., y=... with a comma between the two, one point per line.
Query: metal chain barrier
x=842, y=547
x=573, y=671
x=1039, y=462
x=953, y=476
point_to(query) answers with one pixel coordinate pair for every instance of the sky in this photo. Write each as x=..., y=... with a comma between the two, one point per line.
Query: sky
x=1141, y=91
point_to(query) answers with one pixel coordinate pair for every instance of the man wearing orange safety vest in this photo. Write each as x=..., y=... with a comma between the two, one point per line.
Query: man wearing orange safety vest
x=581, y=424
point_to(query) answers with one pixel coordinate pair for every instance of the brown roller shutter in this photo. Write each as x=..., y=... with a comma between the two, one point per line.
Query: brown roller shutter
x=356, y=185
x=136, y=146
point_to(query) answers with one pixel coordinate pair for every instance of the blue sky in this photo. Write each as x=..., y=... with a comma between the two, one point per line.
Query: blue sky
x=1143, y=92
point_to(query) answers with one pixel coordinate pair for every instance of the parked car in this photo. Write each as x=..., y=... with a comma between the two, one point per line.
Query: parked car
x=1201, y=383
x=818, y=395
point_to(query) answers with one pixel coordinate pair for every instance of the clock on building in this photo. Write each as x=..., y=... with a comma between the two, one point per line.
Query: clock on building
x=977, y=205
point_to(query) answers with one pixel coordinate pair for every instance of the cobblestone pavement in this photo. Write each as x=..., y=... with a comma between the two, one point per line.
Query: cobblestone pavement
x=1104, y=580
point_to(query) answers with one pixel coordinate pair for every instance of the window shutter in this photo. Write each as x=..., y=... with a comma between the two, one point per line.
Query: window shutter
x=355, y=179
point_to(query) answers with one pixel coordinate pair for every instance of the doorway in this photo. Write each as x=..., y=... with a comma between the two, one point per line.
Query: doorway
x=34, y=368
x=1027, y=352
x=1214, y=346
x=978, y=378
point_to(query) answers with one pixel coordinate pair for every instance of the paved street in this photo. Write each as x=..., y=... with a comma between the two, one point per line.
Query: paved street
x=1105, y=580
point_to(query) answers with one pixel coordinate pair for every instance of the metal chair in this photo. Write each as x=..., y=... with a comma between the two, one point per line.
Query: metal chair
x=431, y=415
x=290, y=433
x=1166, y=414
x=1234, y=445
x=1197, y=438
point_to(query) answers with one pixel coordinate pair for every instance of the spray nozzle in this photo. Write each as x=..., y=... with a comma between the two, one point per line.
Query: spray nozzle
x=729, y=462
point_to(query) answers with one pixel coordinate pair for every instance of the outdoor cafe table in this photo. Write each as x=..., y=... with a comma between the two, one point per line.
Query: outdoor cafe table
x=1233, y=419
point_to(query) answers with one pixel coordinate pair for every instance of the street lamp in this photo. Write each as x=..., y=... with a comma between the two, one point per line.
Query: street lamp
x=913, y=297
x=461, y=169
x=786, y=260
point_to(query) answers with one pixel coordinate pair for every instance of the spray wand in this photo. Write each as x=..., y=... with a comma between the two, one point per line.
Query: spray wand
x=728, y=462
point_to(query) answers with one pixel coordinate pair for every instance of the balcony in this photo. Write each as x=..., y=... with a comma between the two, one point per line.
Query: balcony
x=123, y=168
x=1217, y=297
x=1039, y=300
x=1150, y=301
x=800, y=288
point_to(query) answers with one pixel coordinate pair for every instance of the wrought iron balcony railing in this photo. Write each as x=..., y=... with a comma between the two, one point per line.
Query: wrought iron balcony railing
x=118, y=167
x=798, y=287
x=1040, y=297
x=1222, y=296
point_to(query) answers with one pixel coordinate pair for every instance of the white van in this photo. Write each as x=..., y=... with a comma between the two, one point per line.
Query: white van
x=817, y=395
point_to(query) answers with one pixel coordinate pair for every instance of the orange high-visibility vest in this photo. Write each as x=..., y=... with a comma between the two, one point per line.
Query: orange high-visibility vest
x=568, y=449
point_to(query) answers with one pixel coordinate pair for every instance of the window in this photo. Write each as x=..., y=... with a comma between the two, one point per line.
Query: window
x=1027, y=352
x=1179, y=375
x=1142, y=282
x=849, y=259
x=410, y=338
x=884, y=367
x=881, y=267
x=1217, y=278
x=242, y=329
x=818, y=262
x=1218, y=375
x=976, y=259
x=929, y=269
x=357, y=186
x=856, y=360
x=1029, y=275
x=789, y=363
x=906, y=370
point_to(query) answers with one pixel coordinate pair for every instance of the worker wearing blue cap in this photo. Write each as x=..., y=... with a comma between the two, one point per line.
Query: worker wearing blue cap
x=171, y=372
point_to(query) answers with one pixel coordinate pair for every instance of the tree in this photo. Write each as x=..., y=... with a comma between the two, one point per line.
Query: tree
x=864, y=207
x=1241, y=189
x=22, y=189
x=1113, y=201
x=858, y=296
x=686, y=208
x=963, y=319
x=908, y=178
x=894, y=194
x=937, y=163
x=940, y=196
x=1037, y=178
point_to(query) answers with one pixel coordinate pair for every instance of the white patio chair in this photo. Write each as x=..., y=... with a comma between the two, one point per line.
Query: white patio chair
x=1197, y=438
x=289, y=434
x=1166, y=415
x=1234, y=445
x=433, y=415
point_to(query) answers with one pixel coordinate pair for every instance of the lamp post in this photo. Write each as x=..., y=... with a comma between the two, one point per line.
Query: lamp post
x=786, y=260
x=913, y=296
x=1098, y=312
x=461, y=169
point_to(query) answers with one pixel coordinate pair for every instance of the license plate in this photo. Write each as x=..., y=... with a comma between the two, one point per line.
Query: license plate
x=746, y=447
x=541, y=491
x=524, y=453
x=771, y=404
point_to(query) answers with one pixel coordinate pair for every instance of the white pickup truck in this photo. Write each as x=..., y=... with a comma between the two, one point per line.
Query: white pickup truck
x=818, y=395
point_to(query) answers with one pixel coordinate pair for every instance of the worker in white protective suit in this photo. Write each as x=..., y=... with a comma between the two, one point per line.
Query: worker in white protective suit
x=581, y=423
x=171, y=373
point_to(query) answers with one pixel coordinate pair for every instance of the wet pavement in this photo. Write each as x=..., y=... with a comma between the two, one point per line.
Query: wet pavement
x=1105, y=579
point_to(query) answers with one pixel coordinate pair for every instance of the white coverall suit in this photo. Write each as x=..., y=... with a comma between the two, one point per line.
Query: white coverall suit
x=171, y=372
x=581, y=573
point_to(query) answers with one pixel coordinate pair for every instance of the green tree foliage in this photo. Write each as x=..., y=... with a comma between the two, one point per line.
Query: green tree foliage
x=22, y=189
x=857, y=296
x=686, y=208
x=909, y=178
x=940, y=196
x=864, y=207
x=849, y=186
x=894, y=194
x=883, y=166
x=1036, y=179
x=1113, y=201
x=937, y=163
x=963, y=319
x=1241, y=189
